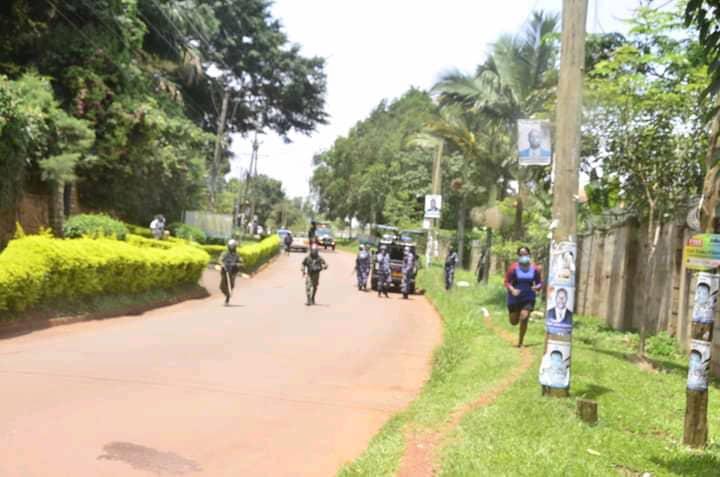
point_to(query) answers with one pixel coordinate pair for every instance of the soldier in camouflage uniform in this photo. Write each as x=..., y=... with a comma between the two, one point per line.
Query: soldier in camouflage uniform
x=312, y=265
x=382, y=259
x=408, y=272
x=362, y=267
x=229, y=264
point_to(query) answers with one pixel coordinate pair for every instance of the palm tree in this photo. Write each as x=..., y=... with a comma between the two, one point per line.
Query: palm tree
x=515, y=82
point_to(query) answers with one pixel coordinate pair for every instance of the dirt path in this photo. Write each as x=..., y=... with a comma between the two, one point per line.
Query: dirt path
x=421, y=450
x=267, y=387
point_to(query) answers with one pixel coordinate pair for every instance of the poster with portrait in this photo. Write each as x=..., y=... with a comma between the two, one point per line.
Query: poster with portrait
x=706, y=294
x=559, y=311
x=433, y=206
x=555, y=365
x=534, y=142
x=699, y=365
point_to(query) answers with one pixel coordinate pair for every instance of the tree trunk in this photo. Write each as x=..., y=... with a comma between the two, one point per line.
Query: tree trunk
x=651, y=267
x=461, y=231
x=57, y=207
x=519, y=207
x=488, y=256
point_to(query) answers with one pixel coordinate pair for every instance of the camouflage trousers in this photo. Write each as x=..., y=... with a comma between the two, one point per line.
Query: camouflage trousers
x=224, y=282
x=362, y=275
x=406, y=283
x=311, y=284
x=449, y=277
x=383, y=282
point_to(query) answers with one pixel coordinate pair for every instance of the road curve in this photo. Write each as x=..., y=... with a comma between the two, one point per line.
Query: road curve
x=268, y=387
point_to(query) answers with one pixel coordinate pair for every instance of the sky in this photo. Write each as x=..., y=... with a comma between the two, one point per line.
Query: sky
x=376, y=49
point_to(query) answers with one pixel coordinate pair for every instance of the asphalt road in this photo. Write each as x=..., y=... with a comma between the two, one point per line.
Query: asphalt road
x=268, y=387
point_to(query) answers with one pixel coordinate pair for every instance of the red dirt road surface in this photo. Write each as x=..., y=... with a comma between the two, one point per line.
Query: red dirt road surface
x=268, y=387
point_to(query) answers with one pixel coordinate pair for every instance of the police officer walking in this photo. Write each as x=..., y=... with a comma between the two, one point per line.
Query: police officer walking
x=362, y=267
x=229, y=264
x=312, y=265
x=408, y=272
x=450, y=263
x=382, y=261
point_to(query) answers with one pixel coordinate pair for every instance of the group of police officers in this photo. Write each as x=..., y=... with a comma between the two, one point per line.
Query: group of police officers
x=313, y=264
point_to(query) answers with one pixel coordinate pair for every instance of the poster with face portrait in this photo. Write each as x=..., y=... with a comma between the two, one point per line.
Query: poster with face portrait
x=433, y=205
x=706, y=293
x=559, y=313
x=555, y=365
x=534, y=142
x=699, y=365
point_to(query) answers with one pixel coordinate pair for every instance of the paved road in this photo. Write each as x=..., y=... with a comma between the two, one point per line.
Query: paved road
x=268, y=387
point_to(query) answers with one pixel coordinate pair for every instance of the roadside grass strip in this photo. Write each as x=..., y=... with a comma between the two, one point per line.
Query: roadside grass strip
x=641, y=406
x=471, y=361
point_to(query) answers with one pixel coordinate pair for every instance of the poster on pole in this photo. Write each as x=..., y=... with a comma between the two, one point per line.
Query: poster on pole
x=699, y=366
x=702, y=252
x=433, y=206
x=534, y=142
x=561, y=289
x=706, y=294
x=555, y=365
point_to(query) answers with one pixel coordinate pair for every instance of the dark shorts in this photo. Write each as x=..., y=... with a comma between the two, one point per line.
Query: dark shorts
x=524, y=305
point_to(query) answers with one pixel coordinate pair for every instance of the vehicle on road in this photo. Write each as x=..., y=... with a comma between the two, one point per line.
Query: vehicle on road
x=325, y=238
x=299, y=244
x=396, y=248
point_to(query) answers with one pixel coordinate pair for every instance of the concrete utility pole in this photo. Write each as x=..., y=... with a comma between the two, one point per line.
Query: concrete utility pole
x=436, y=187
x=569, y=116
x=215, y=168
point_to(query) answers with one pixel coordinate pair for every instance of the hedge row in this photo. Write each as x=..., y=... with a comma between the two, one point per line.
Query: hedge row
x=38, y=269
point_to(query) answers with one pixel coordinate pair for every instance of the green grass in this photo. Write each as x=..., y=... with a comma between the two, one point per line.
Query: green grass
x=470, y=361
x=641, y=409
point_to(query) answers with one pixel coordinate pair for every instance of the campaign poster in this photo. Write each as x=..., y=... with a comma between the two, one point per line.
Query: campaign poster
x=534, y=143
x=555, y=365
x=433, y=206
x=699, y=365
x=706, y=293
x=559, y=312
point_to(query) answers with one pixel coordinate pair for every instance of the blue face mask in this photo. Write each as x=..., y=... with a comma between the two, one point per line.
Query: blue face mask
x=524, y=260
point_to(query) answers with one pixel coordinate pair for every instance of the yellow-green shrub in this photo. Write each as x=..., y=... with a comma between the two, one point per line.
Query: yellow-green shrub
x=37, y=269
x=255, y=254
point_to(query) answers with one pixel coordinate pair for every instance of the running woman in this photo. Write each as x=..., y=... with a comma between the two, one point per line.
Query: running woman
x=522, y=281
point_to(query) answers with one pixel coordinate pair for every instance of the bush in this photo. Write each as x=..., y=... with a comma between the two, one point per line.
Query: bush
x=94, y=225
x=255, y=254
x=39, y=269
x=214, y=251
x=139, y=230
x=188, y=232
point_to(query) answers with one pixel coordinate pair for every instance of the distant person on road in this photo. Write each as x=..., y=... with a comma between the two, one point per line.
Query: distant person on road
x=522, y=281
x=312, y=265
x=157, y=227
x=450, y=263
x=408, y=272
x=312, y=233
x=288, y=242
x=382, y=263
x=229, y=264
x=362, y=267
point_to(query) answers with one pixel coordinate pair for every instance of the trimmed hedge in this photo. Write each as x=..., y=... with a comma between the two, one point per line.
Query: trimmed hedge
x=37, y=269
x=255, y=254
x=94, y=225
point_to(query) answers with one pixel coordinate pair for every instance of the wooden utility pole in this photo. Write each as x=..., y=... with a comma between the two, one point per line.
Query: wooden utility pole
x=569, y=116
x=436, y=187
x=215, y=166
